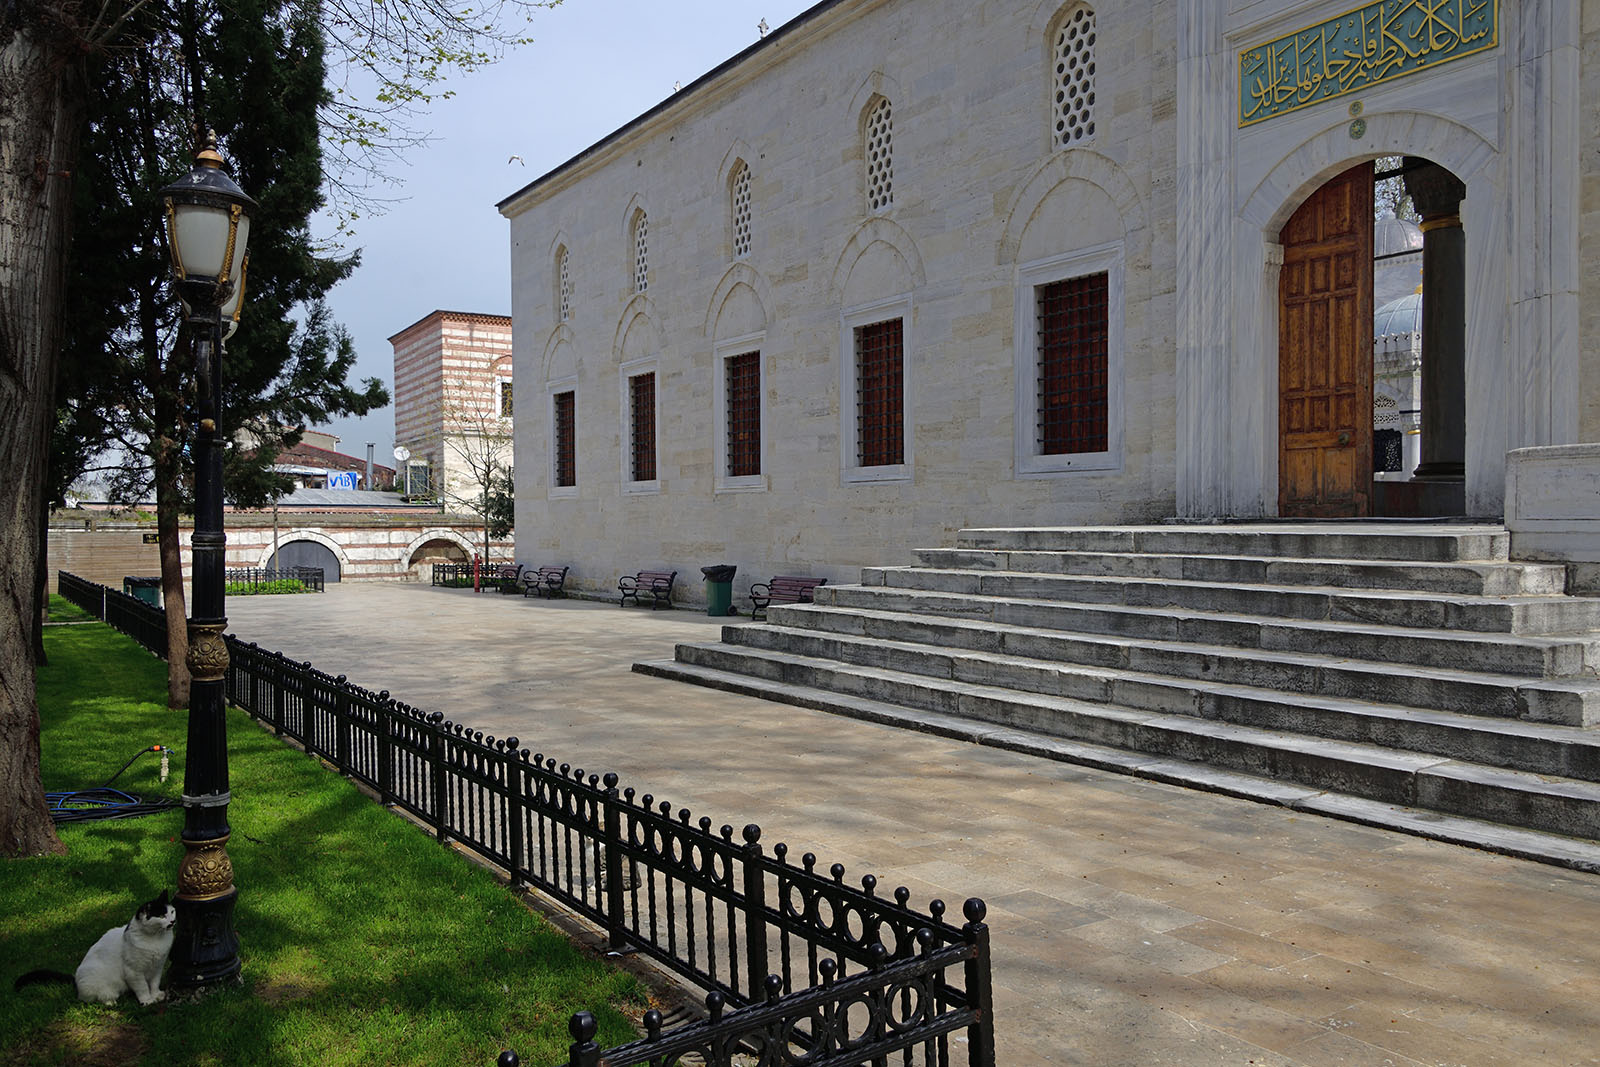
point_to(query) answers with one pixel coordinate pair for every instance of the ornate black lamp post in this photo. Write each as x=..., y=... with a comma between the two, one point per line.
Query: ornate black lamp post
x=208, y=223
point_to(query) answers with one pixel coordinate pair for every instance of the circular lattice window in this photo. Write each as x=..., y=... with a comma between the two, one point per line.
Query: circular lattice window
x=1074, y=79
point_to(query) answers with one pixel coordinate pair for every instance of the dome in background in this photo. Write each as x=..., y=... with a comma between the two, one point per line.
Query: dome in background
x=1391, y=235
x=1398, y=316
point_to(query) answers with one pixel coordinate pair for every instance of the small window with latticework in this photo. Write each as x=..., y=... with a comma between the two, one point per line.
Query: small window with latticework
x=641, y=252
x=741, y=211
x=879, y=150
x=1073, y=79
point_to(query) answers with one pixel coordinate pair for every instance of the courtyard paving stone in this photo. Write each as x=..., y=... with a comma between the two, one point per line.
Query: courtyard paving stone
x=1133, y=922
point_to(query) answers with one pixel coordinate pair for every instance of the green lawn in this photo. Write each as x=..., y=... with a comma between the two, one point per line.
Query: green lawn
x=364, y=942
x=64, y=610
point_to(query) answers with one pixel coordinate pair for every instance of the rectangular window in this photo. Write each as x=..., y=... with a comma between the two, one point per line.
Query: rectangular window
x=566, y=426
x=880, y=401
x=419, y=481
x=505, y=400
x=1071, y=337
x=744, y=414
x=642, y=427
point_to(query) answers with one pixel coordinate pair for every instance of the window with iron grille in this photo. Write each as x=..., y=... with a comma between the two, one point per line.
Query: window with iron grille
x=565, y=410
x=1072, y=102
x=505, y=400
x=743, y=377
x=880, y=401
x=1071, y=335
x=642, y=427
x=741, y=211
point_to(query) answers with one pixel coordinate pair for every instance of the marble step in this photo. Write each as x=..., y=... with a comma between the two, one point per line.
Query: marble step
x=1542, y=802
x=1475, y=579
x=1554, y=848
x=1036, y=599
x=1172, y=676
x=1112, y=636
x=1421, y=542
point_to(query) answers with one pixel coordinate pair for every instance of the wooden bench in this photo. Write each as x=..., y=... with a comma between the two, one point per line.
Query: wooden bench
x=657, y=585
x=545, y=582
x=503, y=578
x=783, y=589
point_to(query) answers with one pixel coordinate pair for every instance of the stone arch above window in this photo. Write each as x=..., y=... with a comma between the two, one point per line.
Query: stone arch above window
x=739, y=206
x=1072, y=43
x=877, y=150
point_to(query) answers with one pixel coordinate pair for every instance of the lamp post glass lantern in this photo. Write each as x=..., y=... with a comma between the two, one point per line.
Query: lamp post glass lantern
x=208, y=226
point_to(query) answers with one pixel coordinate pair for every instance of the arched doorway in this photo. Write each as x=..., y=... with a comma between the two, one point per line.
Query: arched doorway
x=309, y=554
x=1326, y=352
x=434, y=550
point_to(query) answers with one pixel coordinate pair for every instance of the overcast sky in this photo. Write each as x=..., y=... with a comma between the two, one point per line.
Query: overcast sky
x=594, y=65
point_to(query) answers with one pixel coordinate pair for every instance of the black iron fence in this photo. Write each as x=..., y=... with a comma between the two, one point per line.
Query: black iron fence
x=459, y=575
x=256, y=579
x=797, y=964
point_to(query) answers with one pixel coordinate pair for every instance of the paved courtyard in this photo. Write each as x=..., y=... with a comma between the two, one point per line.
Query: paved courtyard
x=1133, y=923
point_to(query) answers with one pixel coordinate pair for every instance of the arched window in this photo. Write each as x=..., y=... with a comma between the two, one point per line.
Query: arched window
x=1072, y=78
x=563, y=284
x=739, y=191
x=878, y=149
x=641, y=252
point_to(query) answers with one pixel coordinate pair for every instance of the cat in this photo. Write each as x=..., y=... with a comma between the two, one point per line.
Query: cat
x=126, y=958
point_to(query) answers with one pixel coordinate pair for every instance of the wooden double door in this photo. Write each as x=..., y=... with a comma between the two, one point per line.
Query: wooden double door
x=1325, y=352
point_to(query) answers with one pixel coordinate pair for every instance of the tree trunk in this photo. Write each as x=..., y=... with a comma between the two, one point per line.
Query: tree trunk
x=172, y=577
x=41, y=102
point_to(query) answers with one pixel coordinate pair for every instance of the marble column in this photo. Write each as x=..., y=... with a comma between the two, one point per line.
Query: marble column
x=1437, y=195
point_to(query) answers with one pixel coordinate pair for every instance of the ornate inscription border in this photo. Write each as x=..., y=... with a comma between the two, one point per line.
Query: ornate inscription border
x=1375, y=43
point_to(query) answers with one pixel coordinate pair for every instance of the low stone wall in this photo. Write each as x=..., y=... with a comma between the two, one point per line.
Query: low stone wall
x=1553, y=509
x=368, y=547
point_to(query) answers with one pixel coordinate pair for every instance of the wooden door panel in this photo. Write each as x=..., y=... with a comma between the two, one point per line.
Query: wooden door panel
x=1325, y=351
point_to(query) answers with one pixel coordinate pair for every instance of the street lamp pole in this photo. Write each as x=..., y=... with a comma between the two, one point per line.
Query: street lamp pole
x=208, y=225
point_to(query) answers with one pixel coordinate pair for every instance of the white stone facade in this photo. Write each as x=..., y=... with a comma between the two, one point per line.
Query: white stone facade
x=984, y=199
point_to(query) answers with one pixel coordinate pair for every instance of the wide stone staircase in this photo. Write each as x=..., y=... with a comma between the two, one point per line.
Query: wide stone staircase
x=1398, y=674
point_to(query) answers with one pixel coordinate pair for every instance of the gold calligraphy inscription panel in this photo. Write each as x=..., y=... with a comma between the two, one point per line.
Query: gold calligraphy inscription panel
x=1375, y=43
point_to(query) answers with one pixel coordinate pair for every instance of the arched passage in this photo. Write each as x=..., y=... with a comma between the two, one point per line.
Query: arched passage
x=1326, y=352
x=302, y=553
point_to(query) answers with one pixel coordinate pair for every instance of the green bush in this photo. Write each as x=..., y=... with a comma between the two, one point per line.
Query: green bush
x=282, y=585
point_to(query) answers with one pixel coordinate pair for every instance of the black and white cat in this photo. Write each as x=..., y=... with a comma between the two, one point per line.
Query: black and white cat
x=126, y=958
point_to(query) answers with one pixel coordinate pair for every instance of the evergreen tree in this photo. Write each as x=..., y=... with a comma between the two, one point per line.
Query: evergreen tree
x=253, y=70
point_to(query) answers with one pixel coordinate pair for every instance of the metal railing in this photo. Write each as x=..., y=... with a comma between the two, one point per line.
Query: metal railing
x=789, y=954
x=255, y=577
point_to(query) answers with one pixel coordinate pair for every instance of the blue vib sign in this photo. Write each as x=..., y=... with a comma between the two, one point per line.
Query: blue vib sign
x=341, y=479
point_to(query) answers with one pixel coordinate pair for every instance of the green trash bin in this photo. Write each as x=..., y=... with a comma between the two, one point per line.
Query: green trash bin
x=146, y=589
x=719, y=588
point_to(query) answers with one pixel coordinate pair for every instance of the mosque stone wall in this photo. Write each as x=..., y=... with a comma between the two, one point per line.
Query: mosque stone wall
x=1589, y=265
x=978, y=193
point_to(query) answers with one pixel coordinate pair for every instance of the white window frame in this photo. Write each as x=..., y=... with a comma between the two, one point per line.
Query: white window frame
x=563, y=385
x=850, y=469
x=500, y=383
x=738, y=346
x=1107, y=259
x=648, y=365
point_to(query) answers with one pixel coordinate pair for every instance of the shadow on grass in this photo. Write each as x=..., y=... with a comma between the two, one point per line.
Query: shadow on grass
x=363, y=941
